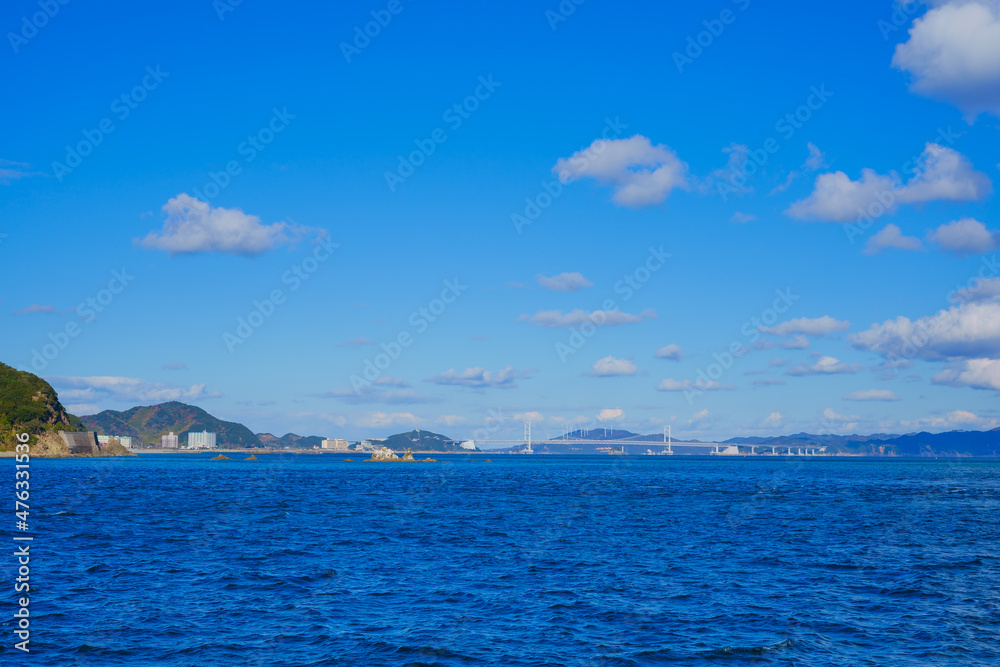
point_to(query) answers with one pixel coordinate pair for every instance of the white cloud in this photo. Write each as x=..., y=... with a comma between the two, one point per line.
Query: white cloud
x=729, y=177
x=35, y=309
x=384, y=419
x=824, y=366
x=564, y=282
x=13, y=171
x=389, y=381
x=670, y=384
x=767, y=382
x=640, y=173
x=975, y=373
x=125, y=389
x=966, y=331
x=533, y=416
x=836, y=197
x=816, y=159
x=80, y=409
x=954, y=419
x=871, y=395
x=814, y=326
x=551, y=319
x=891, y=236
x=612, y=367
x=450, y=420
x=984, y=290
x=742, y=218
x=953, y=54
x=699, y=419
x=832, y=421
x=364, y=395
x=966, y=236
x=800, y=342
x=194, y=226
x=672, y=352
x=773, y=420
x=477, y=378
x=610, y=415
x=942, y=174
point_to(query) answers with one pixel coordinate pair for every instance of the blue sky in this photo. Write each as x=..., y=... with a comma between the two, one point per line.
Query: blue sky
x=738, y=218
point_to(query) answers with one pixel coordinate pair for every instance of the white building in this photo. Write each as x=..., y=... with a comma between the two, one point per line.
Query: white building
x=337, y=445
x=203, y=440
x=169, y=441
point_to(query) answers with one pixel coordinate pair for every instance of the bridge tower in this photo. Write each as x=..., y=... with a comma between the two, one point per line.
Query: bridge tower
x=527, y=438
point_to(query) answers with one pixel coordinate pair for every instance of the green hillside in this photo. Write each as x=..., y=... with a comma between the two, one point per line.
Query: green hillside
x=421, y=441
x=29, y=404
x=147, y=423
x=290, y=440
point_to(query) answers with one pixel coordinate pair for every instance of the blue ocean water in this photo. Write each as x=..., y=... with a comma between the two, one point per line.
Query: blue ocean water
x=308, y=560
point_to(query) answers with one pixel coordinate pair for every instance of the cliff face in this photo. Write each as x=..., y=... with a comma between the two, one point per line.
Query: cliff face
x=29, y=404
x=50, y=445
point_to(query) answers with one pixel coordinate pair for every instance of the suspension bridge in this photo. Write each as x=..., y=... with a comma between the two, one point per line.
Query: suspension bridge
x=666, y=446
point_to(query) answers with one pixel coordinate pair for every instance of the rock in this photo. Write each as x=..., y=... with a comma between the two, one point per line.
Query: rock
x=408, y=455
x=384, y=454
x=428, y=460
x=250, y=458
x=348, y=460
x=50, y=445
x=115, y=448
x=221, y=457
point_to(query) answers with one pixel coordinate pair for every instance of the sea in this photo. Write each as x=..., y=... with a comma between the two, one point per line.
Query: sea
x=304, y=560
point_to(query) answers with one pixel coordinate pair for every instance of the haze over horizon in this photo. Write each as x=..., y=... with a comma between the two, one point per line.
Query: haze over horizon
x=354, y=235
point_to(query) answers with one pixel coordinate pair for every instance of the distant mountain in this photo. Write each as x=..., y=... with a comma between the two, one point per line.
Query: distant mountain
x=951, y=443
x=421, y=441
x=290, y=440
x=809, y=439
x=147, y=423
x=29, y=404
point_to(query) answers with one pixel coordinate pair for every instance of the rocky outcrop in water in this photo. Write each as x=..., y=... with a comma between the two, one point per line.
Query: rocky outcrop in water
x=384, y=454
